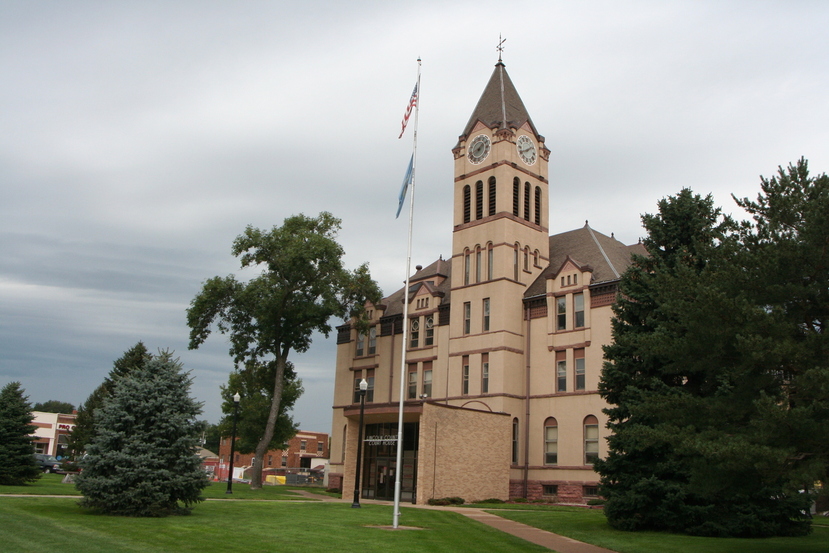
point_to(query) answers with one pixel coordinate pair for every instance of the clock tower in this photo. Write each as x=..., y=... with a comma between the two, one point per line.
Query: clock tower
x=500, y=242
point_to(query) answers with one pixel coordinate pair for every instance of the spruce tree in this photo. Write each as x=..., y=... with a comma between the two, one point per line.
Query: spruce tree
x=84, y=429
x=687, y=385
x=17, y=461
x=142, y=460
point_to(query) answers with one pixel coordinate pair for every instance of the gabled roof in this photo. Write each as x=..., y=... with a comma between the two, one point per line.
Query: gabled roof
x=440, y=268
x=607, y=257
x=500, y=105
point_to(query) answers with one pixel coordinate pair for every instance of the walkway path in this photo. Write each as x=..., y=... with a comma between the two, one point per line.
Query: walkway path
x=562, y=544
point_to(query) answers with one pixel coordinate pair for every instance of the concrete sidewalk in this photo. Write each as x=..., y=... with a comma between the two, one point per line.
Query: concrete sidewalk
x=543, y=538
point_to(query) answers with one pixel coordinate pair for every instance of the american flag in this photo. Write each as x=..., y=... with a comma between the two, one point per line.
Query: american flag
x=412, y=104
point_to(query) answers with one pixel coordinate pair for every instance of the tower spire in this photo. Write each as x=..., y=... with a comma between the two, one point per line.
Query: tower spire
x=500, y=47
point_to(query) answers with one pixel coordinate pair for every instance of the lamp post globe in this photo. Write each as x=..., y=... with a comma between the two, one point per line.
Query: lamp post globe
x=363, y=388
x=236, y=399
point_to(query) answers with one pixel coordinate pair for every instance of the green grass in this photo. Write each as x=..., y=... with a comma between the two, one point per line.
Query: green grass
x=50, y=484
x=34, y=525
x=590, y=525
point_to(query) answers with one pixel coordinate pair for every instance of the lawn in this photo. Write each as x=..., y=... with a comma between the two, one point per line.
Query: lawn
x=36, y=524
x=590, y=525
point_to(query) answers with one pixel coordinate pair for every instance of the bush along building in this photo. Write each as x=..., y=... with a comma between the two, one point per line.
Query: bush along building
x=504, y=341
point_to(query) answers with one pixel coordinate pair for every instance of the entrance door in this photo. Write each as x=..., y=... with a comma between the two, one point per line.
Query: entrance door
x=381, y=461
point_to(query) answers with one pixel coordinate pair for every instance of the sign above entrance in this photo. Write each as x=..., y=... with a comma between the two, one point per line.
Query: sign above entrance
x=381, y=440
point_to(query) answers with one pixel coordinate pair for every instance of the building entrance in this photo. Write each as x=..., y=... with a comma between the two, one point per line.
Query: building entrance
x=380, y=453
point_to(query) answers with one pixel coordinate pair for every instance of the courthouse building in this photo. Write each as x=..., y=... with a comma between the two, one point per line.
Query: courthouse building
x=504, y=341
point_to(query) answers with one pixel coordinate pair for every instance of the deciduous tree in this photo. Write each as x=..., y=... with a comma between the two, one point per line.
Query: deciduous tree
x=302, y=285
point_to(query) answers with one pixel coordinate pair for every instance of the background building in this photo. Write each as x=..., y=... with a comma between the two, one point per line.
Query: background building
x=52, y=432
x=307, y=452
x=504, y=348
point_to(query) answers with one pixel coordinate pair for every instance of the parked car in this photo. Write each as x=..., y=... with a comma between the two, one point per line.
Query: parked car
x=47, y=463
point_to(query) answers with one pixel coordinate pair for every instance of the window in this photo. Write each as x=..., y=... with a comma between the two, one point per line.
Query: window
x=285, y=461
x=578, y=310
x=515, y=262
x=429, y=338
x=465, y=383
x=578, y=354
x=490, y=260
x=526, y=201
x=370, y=381
x=320, y=447
x=549, y=489
x=561, y=313
x=526, y=258
x=550, y=441
x=515, y=441
x=590, y=491
x=467, y=317
x=467, y=260
x=361, y=341
x=484, y=373
x=591, y=439
x=479, y=200
x=486, y=315
x=467, y=200
x=412, y=381
x=358, y=376
x=427, y=379
x=270, y=460
x=516, y=195
x=478, y=267
x=492, y=195
x=537, y=205
x=415, y=333
x=303, y=445
x=561, y=371
x=372, y=340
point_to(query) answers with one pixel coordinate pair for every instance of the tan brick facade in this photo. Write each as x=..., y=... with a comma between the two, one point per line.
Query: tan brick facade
x=503, y=340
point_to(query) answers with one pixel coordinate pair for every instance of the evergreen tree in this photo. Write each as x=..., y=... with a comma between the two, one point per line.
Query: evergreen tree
x=142, y=460
x=17, y=461
x=84, y=429
x=686, y=388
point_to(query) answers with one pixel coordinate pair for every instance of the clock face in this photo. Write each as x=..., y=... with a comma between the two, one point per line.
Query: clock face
x=526, y=149
x=479, y=149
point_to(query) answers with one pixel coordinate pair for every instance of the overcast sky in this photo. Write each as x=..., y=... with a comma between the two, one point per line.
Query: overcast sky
x=140, y=138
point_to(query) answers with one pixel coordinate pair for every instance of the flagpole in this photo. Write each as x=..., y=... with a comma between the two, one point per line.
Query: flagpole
x=399, y=466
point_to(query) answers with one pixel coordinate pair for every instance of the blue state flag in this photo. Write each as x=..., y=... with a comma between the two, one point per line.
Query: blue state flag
x=403, y=189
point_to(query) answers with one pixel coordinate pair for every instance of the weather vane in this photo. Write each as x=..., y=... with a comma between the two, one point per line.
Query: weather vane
x=500, y=47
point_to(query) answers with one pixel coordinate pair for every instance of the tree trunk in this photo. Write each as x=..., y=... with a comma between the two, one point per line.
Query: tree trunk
x=262, y=446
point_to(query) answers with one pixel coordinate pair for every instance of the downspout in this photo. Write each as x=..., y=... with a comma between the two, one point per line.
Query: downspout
x=527, y=404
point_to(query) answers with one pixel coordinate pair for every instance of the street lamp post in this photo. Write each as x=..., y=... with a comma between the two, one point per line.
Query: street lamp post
x=236, y=398
x=363, y=388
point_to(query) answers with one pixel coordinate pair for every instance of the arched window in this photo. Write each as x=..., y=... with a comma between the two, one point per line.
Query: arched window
x=516, y=195
x=526, y=201
x=550, y=441
x=490, y=260
x=467, y=261
x=591, y=439
x=466, y=203
x=515, y=441
x=492, y=195
x=515, y=261
x=478, y=264
x=537, y=205
x=526, y=258
x=479, y=200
